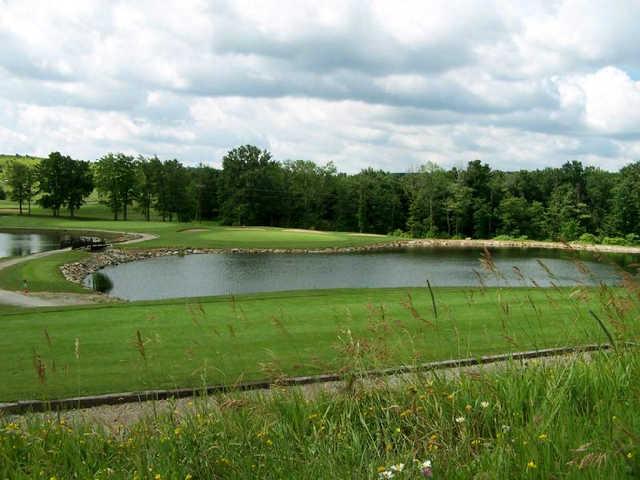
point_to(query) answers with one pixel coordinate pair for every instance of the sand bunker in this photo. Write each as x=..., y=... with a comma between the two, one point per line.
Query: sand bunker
x=302, y=230
x=244, y=229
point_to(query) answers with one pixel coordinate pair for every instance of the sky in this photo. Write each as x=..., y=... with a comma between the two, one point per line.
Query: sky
x=383, y=84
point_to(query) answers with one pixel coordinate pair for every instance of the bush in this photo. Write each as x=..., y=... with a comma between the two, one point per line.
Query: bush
x=399, y=233
x=588, y=238
x=614, y=241
x=101, y=283
x=511, y=238
x=632, y=239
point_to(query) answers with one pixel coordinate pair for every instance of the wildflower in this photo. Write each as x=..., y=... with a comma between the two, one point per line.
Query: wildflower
x=542, y=437
x=386, y=474
x=450, y=397
x=11, y=427
x=397, y=429
x=381, y=469
x=269, y=442
x=397, y=468
x=475, y=442
x=630, y=455
x=177, y=431
x=484, y=404
x=468, y=408
x=425, y=469
x=460, y=419
x=157, y=476
x=505, y=428
x=189, y=476
x=531, y=465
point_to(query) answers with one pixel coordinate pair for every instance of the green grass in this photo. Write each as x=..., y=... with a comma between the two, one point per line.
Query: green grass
x=42, y=274
x=576, y=419
x=185, y=343
x=172, y=234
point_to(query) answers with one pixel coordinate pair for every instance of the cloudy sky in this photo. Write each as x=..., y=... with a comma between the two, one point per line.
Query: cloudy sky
x=364, y=83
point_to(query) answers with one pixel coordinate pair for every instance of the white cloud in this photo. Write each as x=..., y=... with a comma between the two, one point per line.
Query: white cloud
x=363, y=83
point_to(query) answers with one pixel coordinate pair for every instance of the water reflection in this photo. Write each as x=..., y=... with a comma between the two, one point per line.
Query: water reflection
x=218, y=274
x=21, y=244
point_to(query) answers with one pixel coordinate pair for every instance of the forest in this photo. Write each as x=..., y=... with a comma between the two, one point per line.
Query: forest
x=572, y=202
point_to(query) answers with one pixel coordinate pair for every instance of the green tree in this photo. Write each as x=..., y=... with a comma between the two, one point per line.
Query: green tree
x=116, y=182
x=251, y=188
x=64, y=182
x=22, y=180
x=427, y=192
x=626, y=200
x=309, y=193
x=145, y=189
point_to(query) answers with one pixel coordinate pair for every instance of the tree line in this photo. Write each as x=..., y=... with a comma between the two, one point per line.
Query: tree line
x=565, y=203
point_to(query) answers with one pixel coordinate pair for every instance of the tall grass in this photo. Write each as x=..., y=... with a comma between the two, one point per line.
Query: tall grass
x=568, y=419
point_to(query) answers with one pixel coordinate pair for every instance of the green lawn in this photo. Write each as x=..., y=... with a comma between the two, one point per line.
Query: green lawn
x=42, y=274
x=199, y=235
x=181, y=343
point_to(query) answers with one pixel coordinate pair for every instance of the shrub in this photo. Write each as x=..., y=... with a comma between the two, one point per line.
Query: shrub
x=614, y=241
x=101, y=283
x=588, y=238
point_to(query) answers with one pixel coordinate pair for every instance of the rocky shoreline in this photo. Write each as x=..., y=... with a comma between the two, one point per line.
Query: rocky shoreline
x=76, y=272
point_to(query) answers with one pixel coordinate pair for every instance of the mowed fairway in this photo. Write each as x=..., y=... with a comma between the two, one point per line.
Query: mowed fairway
x=189, y=343
x=200, y=235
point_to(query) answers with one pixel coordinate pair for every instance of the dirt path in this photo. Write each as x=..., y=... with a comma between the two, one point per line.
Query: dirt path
x=47, y=299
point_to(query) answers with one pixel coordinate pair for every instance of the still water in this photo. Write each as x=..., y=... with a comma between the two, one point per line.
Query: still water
x=20, y=244
x=220, y=274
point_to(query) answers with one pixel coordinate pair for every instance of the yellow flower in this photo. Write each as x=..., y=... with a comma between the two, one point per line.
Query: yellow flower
x=542, y=437
x=188, y=477
x=475, y=442
x=397, y=429
x=381, y=469
x=269, y=442
x=531, y=465
x=177, y=431
x=157, y=476
x=630, y=455
x=468, y=408
x=450, y=396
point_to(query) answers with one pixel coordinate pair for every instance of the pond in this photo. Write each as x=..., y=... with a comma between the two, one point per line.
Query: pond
x=19, y=244
x=235, y=273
